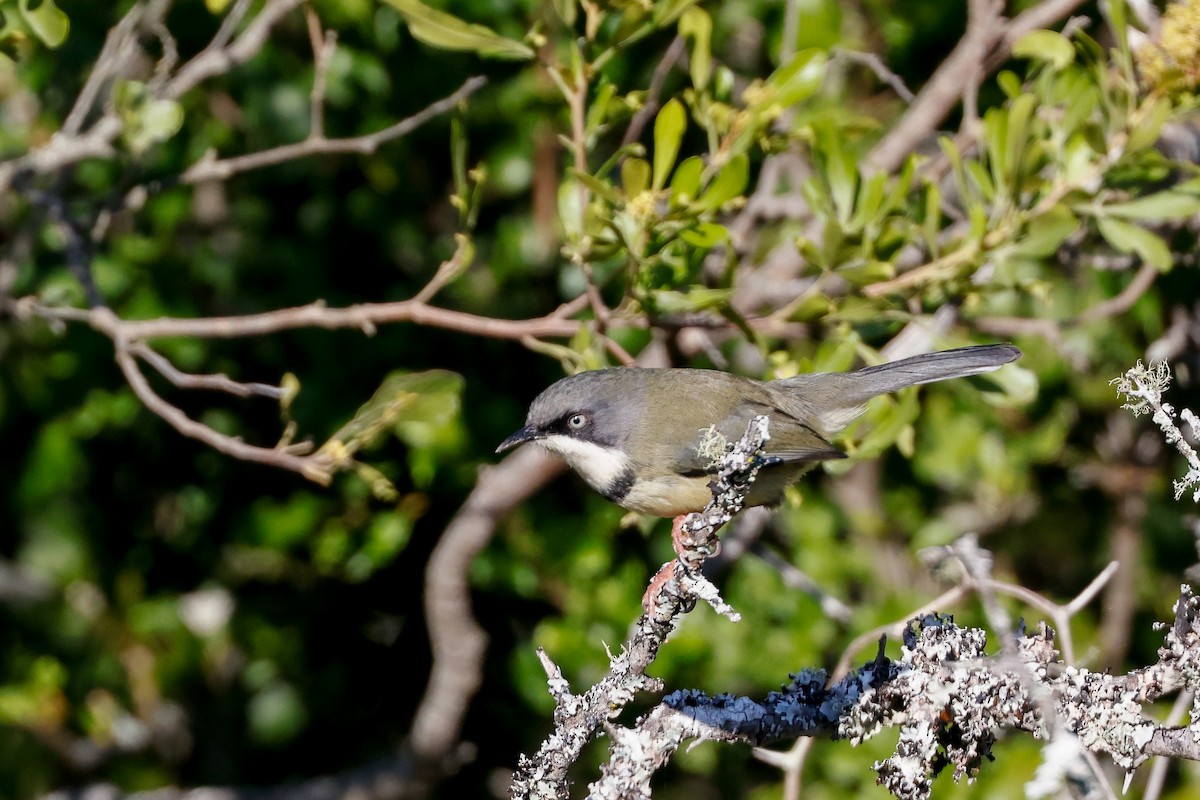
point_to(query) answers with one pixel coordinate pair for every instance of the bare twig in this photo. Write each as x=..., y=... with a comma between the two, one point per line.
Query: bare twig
x=652, y=102
x=221, y=56
x=874, y=63
x=210, y=169
x=216, y=383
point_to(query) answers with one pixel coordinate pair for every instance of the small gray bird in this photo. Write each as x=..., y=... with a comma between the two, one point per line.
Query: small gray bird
x=642, y=437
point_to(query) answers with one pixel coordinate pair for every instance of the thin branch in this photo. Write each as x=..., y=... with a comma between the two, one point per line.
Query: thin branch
x=987, y=43
x=119, y=48
x=652, y=103
x=874, y=63
x=220, y=57
x=216, y=382
x=1115, y=306
x=214, y=169
x=324, y=43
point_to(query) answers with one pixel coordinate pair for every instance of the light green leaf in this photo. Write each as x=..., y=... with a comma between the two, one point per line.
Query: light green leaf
x=669, y=126
x=635, y=176
x=667, y=12
x=696, y=25
x=1129, y=238
x=567, y=11
x=698, y=299
x=439, y=29
x=705, y=235
x=1152, y=117
x=800, y=78
x=686, y=180
x=1158, y=207
x=1045, y=233
x=729, y=183
x=1048, y=46
x=47, y=22
x=405, y=402
x=839, y=167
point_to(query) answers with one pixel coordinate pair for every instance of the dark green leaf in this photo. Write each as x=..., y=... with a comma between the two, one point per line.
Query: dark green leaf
x=439, y=29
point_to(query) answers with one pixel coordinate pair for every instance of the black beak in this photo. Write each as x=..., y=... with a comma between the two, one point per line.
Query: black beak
x=526, y=434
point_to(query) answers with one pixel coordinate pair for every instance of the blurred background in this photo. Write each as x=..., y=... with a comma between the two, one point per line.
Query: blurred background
x=173, y=616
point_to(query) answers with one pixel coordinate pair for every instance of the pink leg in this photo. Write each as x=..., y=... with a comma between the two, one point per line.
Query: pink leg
x=685, y=550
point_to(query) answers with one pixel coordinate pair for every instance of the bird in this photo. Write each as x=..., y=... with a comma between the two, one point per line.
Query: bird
x=643, y=437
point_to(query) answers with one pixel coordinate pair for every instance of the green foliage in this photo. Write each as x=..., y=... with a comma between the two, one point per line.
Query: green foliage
x=531, y=194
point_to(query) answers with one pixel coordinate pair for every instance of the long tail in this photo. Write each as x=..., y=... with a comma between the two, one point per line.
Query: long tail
x=838, y=397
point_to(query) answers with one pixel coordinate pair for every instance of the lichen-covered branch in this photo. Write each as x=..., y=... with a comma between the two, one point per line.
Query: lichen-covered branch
x=578, y=718
x=950, y=700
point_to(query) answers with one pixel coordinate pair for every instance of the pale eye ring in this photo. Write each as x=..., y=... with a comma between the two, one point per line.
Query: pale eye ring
x=577, y=422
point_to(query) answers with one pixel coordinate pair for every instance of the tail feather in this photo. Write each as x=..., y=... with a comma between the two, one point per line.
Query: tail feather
x=839, y=397
x=930, y=367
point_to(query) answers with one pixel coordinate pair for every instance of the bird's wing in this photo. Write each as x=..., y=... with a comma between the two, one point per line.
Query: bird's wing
x=792, y=441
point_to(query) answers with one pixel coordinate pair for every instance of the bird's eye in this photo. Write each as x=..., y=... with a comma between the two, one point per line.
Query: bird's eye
x=577, y=422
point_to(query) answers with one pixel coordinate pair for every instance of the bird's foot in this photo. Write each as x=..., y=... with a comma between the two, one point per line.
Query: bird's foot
x=690, y=549
x=690, y=552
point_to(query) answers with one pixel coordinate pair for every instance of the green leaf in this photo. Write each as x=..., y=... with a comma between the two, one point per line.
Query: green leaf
x=567, y=11
x=1151, y=119
x=1129, y=238
x=686, y=180
x=669, y=126
x=635, y=176
x=667, y=12
x=439, y=29
x=597, y=186
x=839, y=168
x=1048, y=46
x=404, y=402
x=696, y=25
x=697, y=299
x=864, y=273
x=1045, y=233
x=729, y=183
x=705, y=235
x=800, y=78
x=1158, y=207
x=47, y=22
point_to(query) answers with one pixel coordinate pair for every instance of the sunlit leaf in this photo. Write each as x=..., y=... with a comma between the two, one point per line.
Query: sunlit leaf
x=697, y=299
x=402, y=397
x=799, y=78
x=439, y=29
x=705, y=235
x=635, y=176
x=729, y=183
x=669, y=126
x=696, y=26
x=1129, y=238
x=1048, y=46
x=1158, y=207
x=686, y=180
x=47, y=21
x=1046, y=232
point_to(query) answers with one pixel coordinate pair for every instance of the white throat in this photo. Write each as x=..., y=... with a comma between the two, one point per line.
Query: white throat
x=600, y=466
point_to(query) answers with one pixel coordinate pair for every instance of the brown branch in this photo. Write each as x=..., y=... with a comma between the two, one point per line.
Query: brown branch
x=364, y=316
x=317, y=467
x=211, y=169
x=216, y=383
x=457, y=641
x=1114, y=306
x=985, y=45
x=220, y=57
x=651, y=104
